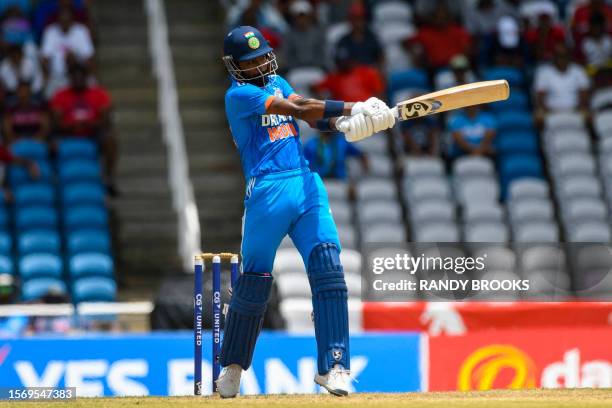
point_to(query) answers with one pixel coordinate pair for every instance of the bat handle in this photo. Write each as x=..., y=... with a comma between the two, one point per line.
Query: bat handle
x=395, y=111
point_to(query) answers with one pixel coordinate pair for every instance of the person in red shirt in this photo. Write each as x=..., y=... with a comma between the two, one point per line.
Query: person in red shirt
x=83, y=110
x=543, y=39
x=436, y=43
x=351, y=81
x=582, y=17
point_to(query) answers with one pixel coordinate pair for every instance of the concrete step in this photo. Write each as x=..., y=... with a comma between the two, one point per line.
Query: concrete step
x=153, y=233
x=122, y=54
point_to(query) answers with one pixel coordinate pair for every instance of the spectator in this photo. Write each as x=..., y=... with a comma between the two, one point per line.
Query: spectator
x=302, y=45
x=351, y=81
x=509, y=48
x=421, y=137
x=264, y=14
x=597, y=44
x=6, y=157
x=64, y=44
x=336, y=11
x=12, y=326
x=16, y=30
x=27, y=117
x=460, y=73
x=18, y=67
x=436, y=43
x=472, y=132
x=361, y=42
x=561, y=86
x=328, y=152
x=47, y=13
x=582, y=17
x=52, y=324
x=543, y=39
x=83, y=110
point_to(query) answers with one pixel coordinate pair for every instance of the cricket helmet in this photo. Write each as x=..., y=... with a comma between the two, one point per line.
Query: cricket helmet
x=245, y=43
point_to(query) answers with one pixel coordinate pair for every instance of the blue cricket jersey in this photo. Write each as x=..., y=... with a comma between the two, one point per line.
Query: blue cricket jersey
x=266, y=143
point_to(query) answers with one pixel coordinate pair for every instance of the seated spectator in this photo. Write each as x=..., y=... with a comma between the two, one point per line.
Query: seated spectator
x=264, y=14
x=12, y=326
x=472, y=131
x=47, y=13
x=328, y=152
x=481, y=22
x=460, y=73
x=597, y=44
x=543, y=39
x=437, y=42
x=16, y=30
x=83, y=110
x=351, y=82
x=303, y=41
x=561, y=86
x=582, y=17
x=421, y=137
x=361, y=42
x=64, y=43
x=509, y=48
x=27, y=117
x=18, y=67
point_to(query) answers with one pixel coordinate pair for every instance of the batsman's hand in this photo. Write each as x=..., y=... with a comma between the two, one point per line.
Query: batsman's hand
x=355, y=127
x=382, y=116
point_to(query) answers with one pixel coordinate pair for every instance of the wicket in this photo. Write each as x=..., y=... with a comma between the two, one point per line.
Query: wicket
x=199, y=267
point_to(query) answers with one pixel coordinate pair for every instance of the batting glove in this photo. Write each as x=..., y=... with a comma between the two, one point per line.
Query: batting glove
x=355, y=127
x=382, y=115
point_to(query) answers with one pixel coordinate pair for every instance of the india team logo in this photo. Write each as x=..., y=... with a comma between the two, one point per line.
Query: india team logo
x=253, y=43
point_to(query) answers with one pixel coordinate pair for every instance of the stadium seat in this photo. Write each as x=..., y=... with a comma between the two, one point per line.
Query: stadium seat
x=427, y=211
x=498, y=258
x=377, y=144
x=524, y=145
x=579, y=186
x=80, y=171
x=71, y=148
x=583, y=210
x=90, y=264
x=391, y=11
x=288, y=260
x=559, y=144
x=408, y=79
x=564, y=121
x=6, y=243
x=590, y=232
x=603, y=124
x=518, y=101
x=602, y=99
x=526, y=188
x=543, y=258
x=479, y=212
x=477, y=190
x=519, y=166
x=347, y=235
x=6, y=265
x=376, y=189
x=94, y=289
x=529, y=210
x=394, y=33
x=86, y=217
x=487, y=232
x=351, y=261
x=426, y=188
x=384, y=232
x=341, y=211
x=33, y=242
x=34, y=289
x=472, y=166
x=34, y=194
x=4, y=218
x=510, y=74
x=36, y=218
x=573, y=164
x=83, y=194
x=542, y=232
x=422, y=167
x=38, y=265
x=30, y=149
x=372, y=212
x=293, y=284
x=437, y=232
x=303, y=78
x=514, y=122
x=19, y=174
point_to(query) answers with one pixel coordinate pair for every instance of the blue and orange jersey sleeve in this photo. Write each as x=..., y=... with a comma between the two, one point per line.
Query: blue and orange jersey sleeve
x=247, y=100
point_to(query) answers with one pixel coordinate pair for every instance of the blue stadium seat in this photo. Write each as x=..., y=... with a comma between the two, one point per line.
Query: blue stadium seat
x=531, y=134
x=86, y=217
x=6, y=244
x=83, y=194
x=35, y=265
x=6, y=265
x=89, y=241
x=513, y=167
x=39, y=242
x=94, y=289
x=518, y=101
x=510, y=74
x=80, y=171
x=33, y=194
x=90, y=264
x=38, y=218
x=516, y=145
x=71, y=148
x=4, y=219
x=34, y=289
x=19, y=174
x=514, y=121
x=31, y=149
x=408, y=79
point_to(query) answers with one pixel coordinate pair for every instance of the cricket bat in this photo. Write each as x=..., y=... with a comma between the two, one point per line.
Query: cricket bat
x=456, y=97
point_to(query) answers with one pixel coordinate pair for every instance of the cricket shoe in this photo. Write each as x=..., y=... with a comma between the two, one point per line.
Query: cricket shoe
x=228, y=383
x=337, y=381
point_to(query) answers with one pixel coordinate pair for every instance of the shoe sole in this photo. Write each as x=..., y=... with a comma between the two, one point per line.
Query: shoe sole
x=334, y=391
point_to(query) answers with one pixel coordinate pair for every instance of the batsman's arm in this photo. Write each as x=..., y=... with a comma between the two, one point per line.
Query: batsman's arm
x=307, y=109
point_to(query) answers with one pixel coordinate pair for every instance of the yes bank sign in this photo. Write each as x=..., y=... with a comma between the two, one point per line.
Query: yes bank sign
x=162, y=364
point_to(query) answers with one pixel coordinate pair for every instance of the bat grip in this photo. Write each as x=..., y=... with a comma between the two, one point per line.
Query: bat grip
x=395, y=111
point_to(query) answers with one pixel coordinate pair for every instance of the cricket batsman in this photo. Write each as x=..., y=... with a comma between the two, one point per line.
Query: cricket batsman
x=283, y=197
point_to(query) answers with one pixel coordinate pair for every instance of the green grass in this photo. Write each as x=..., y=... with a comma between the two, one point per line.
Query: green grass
x=574, y=398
